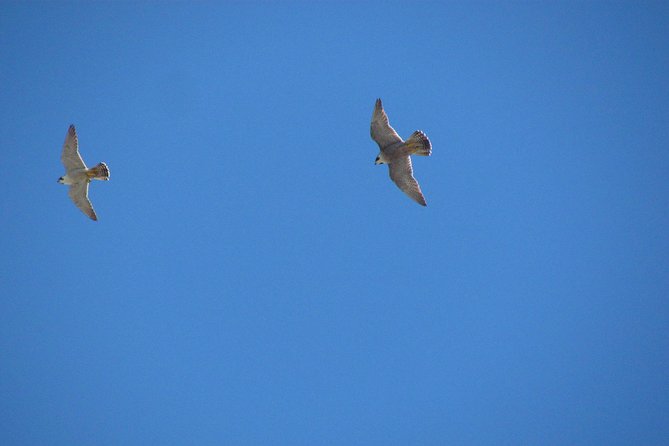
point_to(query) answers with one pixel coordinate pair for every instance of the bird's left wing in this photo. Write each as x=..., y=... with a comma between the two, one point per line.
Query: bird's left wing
x=402, y=174
x=79, y=194
x=381, y=131
x=70, y=156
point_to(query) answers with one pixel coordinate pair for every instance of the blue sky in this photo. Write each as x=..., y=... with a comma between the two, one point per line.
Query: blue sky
x=254, y=278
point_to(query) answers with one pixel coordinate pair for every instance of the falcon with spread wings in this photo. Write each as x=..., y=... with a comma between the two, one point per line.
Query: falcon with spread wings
x=396, y=152
x=77, y=175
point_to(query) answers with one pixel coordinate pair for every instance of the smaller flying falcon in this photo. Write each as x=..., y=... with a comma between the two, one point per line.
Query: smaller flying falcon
x=77, y=175
x=396, y=153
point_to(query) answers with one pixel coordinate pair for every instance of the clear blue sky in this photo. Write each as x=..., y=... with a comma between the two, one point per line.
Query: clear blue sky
x=254, y=278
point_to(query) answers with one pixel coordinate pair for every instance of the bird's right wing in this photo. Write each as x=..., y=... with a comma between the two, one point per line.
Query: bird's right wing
x=79, y=194
x=381, y=131
x=402, y=174
x=70, y=156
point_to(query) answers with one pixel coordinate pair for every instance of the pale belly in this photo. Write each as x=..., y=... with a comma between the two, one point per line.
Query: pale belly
x=74, y=177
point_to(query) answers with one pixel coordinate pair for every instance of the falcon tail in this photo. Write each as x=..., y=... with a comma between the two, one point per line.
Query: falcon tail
x=99, y=172
x=419, y=144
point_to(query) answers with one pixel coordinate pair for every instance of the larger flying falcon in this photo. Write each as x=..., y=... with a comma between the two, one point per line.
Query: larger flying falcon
x=396, y=153
x=77, y=175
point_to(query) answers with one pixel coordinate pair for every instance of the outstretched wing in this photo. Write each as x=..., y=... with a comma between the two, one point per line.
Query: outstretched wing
x=402, y=174
x=381, y=131
x=79, y=194
x=70, y=156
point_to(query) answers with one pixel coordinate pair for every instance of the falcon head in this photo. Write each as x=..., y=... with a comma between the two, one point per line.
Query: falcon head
x=61, y=180
x=378, y=160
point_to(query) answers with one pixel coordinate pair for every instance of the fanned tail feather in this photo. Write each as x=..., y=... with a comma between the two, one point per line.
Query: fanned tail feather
x=100, y=172
x=419, y=144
